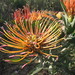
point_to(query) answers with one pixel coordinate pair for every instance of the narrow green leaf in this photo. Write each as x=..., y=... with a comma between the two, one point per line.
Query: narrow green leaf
x=37, y=70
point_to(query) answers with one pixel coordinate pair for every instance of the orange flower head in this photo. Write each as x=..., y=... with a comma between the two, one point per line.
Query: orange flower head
x=33, y=34
x=70, y=6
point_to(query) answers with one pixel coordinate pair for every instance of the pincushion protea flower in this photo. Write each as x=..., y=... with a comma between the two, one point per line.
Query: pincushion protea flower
x=30, y=37
x=69, y=8
x=68, y=16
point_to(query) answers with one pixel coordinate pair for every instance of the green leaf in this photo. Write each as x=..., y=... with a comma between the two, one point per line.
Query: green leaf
x=73, y=22
x=63, y=7
x=37, y=70
x=65, y=19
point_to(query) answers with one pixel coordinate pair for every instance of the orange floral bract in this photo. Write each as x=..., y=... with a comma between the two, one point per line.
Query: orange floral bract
x=70, y=6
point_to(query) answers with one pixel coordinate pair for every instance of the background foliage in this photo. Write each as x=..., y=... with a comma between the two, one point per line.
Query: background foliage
x=66, y=63
x=7, y=7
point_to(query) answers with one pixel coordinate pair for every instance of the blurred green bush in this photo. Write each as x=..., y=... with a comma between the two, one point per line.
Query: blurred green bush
x=66, y=63
x=7, y=7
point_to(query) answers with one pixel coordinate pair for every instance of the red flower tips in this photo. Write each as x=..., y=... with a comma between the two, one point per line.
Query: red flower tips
x=22, y=14
x=7, y=61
